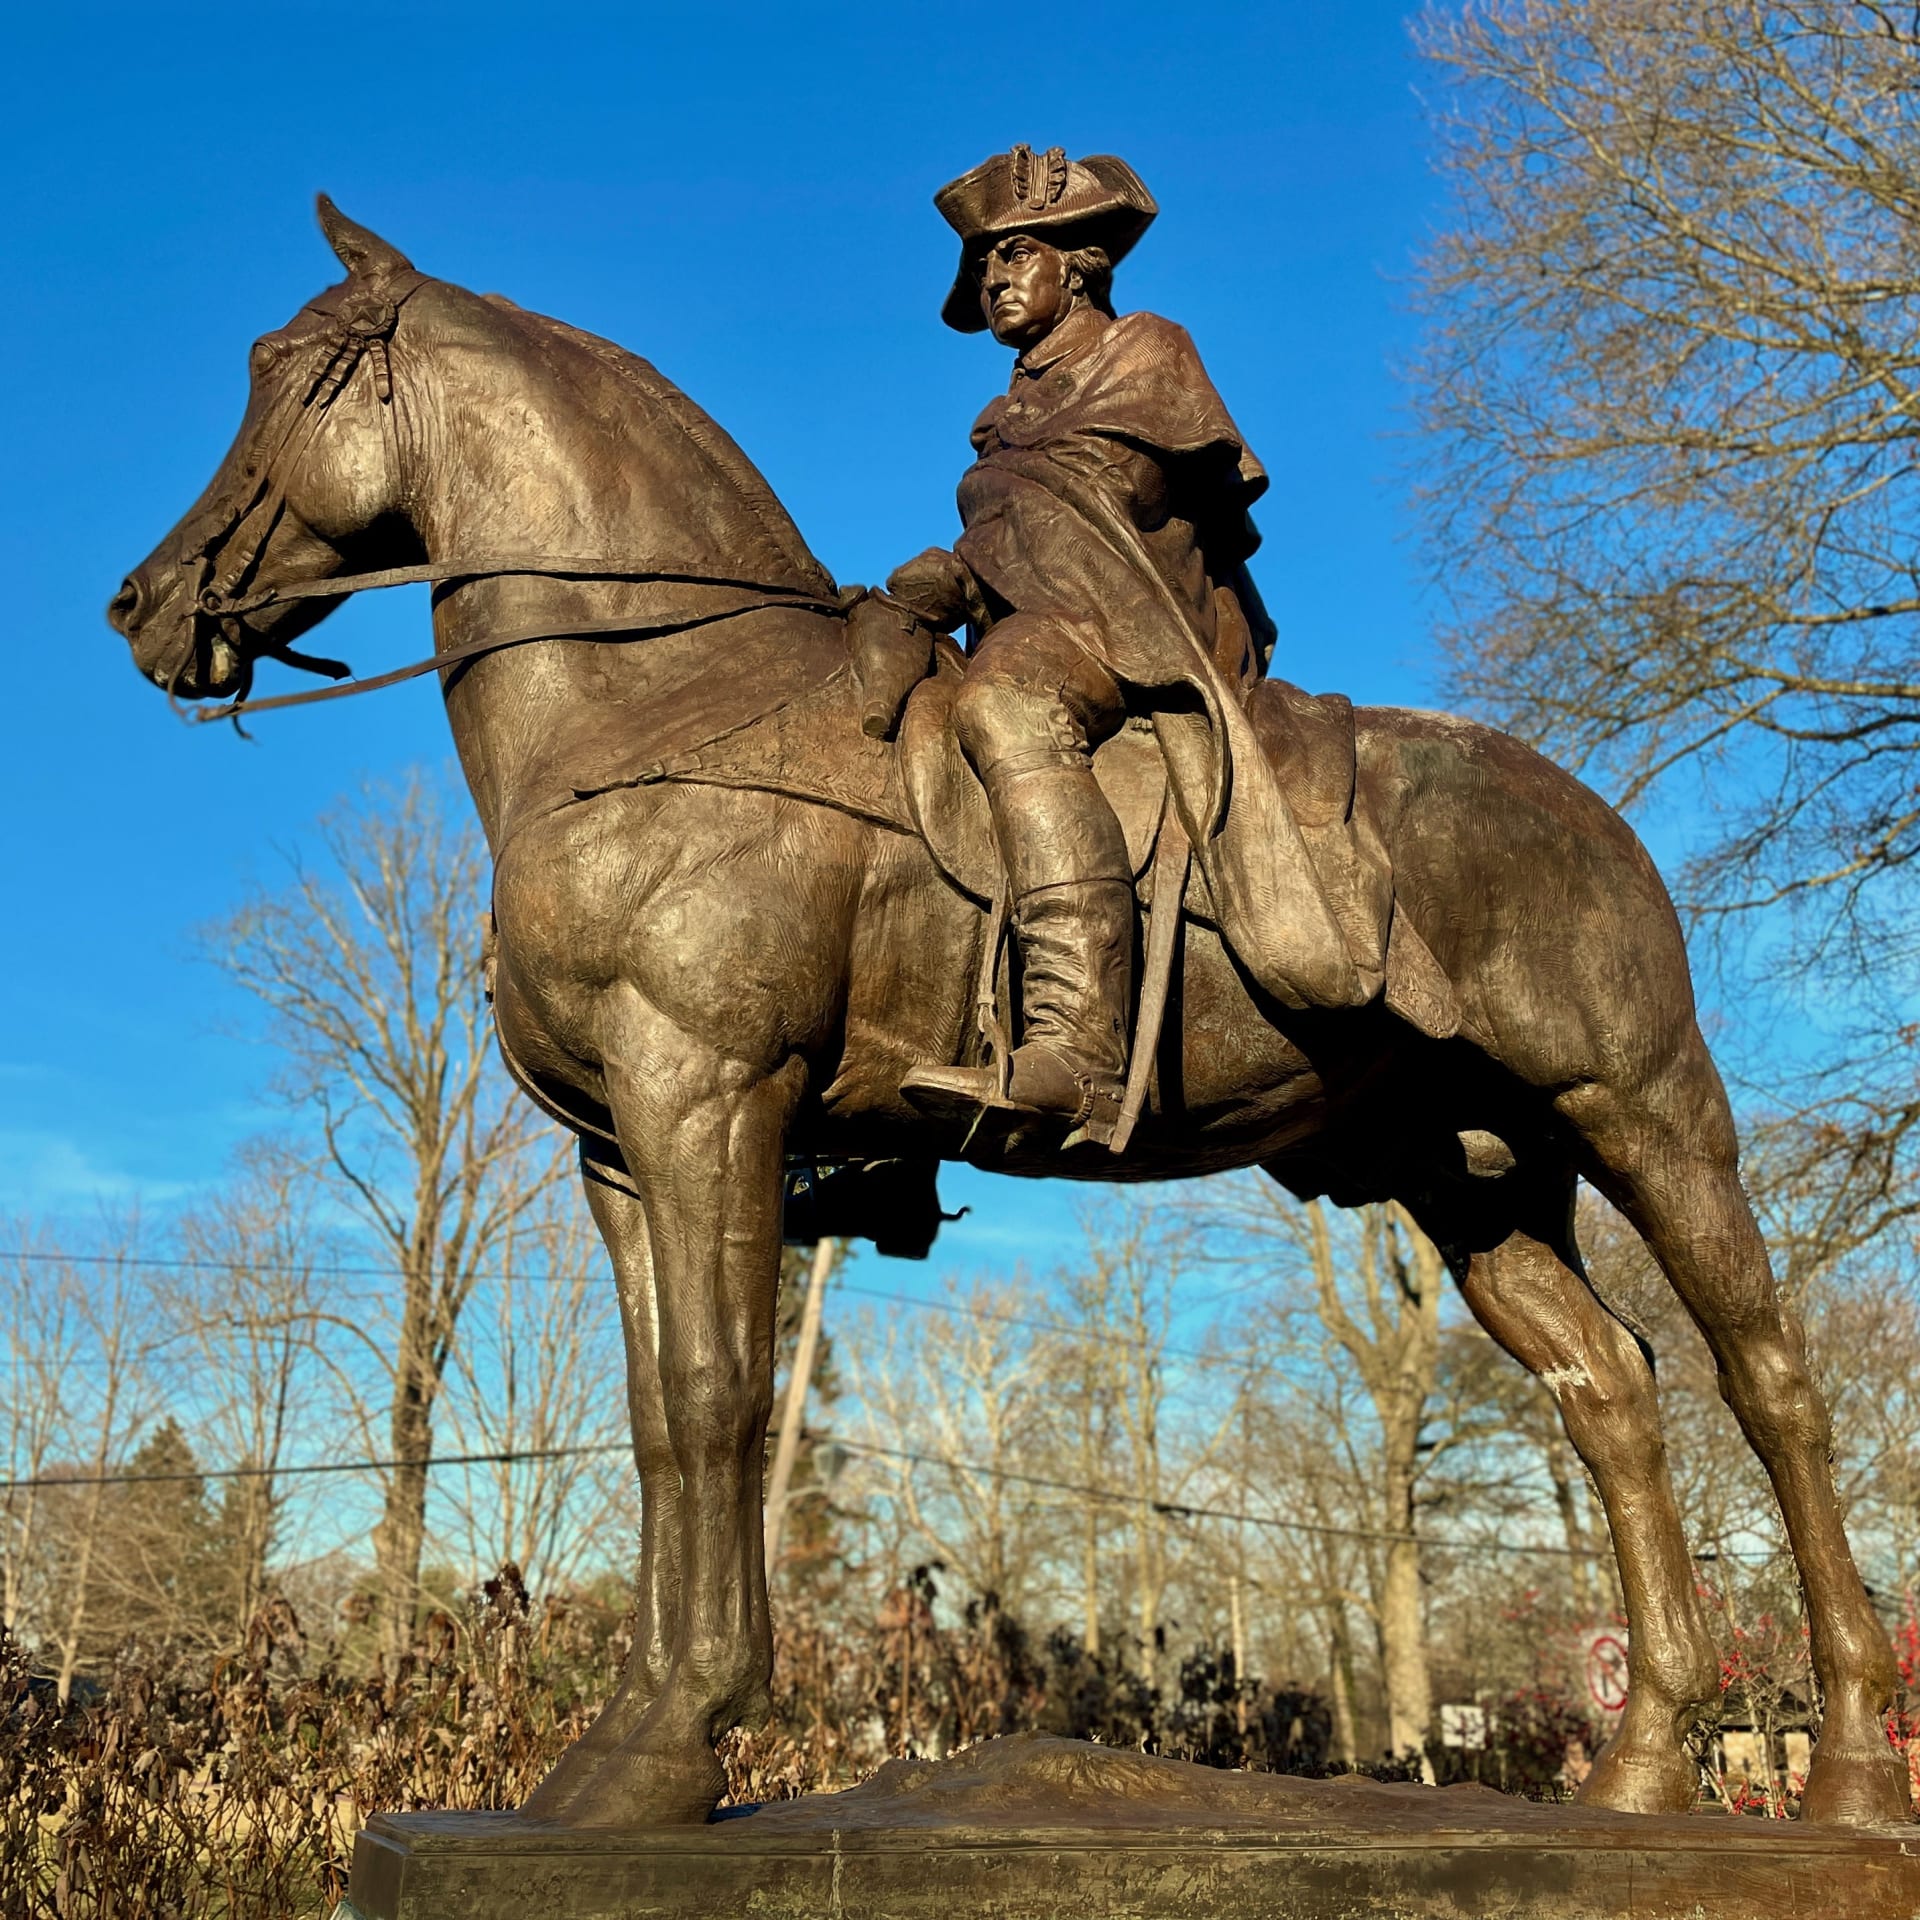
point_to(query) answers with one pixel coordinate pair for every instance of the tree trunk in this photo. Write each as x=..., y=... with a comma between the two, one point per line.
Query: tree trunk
x=793, y=1414
x=82, y=1573
x=1577, y=1549
x=1147, y=1593
x=1236, y=1625
x=1346, y=1741
x=1090, y=1577
x=400, y=1538
x=252, y=1541
x=1403, y=1626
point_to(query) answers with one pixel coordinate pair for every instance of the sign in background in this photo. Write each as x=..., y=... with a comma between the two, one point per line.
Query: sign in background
x=1603, y=1667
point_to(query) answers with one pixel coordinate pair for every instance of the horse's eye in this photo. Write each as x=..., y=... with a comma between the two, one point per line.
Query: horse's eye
x=264, y=354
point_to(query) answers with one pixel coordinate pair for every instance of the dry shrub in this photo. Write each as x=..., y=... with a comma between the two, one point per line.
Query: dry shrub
x=236, y=1792
x=175, y=1792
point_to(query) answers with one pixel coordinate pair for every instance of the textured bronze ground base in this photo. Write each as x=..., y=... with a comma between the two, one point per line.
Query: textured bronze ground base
x=1037, y=1829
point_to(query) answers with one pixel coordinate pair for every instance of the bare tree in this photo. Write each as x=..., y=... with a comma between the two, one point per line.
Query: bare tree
x=1082, y=1417
x=955, y=1407
x=1315, y=1477
x=82, y=1388
x=532, y=1384
x=1391, y=1336
x=43, y=1349
x=248, y=1311
x=1364, y=1290
x=1121, y=1299
x=371, y=970
x=1672, y=388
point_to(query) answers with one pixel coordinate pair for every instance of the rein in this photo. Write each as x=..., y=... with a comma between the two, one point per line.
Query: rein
x=763, y=598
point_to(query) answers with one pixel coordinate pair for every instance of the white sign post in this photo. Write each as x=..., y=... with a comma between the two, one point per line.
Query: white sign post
x=1463, y=1726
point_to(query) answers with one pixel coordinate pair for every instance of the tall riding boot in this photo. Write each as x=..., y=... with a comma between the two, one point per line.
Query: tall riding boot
x=1076, y=980
x=1072, y=891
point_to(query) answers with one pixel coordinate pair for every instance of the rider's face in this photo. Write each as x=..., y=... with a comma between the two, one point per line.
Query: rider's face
x=1024, y=290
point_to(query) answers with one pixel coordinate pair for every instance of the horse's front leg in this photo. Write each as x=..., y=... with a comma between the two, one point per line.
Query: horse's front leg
x=703, y=1135
x=622, y=1221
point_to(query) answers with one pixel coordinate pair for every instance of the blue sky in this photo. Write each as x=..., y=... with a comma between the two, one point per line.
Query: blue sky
x=742, y=194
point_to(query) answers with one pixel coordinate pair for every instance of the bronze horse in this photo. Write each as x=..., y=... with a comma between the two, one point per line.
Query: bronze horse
x=730, y=974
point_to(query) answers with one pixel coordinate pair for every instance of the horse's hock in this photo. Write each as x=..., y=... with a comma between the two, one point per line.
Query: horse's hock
x=1035, y=1828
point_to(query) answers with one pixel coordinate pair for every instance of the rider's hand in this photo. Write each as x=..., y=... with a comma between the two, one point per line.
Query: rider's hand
x=936, y=585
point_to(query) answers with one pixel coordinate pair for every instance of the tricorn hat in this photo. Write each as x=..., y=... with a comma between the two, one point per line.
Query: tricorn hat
x=1095, y=202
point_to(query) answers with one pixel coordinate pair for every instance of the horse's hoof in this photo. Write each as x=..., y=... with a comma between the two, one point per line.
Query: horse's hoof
x=615, y=1724
x=551, y=1799
x=633, y=1789
x=1631, y=1780
x=1857, y=1789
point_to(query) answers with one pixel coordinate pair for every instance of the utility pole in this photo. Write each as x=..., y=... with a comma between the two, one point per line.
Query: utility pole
x=824, y=1256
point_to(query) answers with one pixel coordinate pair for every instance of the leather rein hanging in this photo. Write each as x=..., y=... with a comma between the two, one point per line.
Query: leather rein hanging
x=761, y=598
x=364, y=323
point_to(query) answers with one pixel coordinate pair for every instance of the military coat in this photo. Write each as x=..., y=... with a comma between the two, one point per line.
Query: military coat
x=1114, y=422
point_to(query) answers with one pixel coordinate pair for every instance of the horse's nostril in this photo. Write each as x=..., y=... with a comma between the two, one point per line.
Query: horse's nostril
x=124, y=605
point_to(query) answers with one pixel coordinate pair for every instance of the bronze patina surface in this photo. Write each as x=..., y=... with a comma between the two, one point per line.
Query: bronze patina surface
x=1029, y=1828
x=745, y=908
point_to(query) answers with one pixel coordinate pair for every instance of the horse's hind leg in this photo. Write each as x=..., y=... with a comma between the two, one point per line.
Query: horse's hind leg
x=1527, y=1291
x=1667, y=1159
x=622, y=1221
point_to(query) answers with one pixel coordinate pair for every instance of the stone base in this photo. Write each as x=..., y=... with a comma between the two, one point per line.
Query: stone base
x=1031, y=1828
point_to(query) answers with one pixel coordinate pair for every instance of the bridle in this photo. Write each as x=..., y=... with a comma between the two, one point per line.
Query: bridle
x=223, y=551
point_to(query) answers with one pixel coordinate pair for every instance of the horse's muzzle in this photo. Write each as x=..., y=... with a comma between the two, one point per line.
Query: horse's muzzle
x=123, y=610
x=162, y=644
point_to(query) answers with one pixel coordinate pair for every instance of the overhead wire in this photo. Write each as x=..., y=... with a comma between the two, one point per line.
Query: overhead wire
x=1233, y=1357
x=1193, y=1356
x=1116, y=1496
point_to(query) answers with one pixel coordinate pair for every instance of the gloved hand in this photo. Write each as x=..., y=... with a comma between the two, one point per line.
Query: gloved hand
x=937, y=586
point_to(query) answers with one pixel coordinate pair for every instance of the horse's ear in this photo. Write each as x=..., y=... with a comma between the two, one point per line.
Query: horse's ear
x=360, y=249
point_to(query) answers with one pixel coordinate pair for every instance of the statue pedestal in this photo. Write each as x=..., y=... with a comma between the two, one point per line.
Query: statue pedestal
x=1030, y=1828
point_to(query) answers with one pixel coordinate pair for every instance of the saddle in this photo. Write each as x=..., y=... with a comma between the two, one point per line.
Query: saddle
x=827, y=741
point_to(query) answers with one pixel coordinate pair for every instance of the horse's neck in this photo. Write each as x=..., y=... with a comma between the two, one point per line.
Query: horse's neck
x=560, y=450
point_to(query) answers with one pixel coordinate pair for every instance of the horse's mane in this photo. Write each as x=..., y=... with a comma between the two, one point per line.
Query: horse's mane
x=652, y=394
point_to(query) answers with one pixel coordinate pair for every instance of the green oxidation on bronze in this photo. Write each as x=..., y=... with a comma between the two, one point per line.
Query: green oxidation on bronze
x=744, y=910
x=1032, y=1828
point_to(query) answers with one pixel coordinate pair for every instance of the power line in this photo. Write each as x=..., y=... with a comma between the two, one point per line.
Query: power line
x=1106, y=1336
x=963, y=1309
x=1117, y=1496
x=506, y=1457
x=1194, y=1356
x=1184, y=1510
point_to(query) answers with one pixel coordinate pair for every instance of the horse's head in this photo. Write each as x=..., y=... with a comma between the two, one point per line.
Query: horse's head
x=312, y=470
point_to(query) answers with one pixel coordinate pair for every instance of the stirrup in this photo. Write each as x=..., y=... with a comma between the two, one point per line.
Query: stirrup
x=965, y=1093
x=956, y=1093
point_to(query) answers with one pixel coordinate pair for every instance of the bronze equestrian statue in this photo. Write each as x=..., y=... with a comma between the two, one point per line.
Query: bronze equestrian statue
x=748, y=908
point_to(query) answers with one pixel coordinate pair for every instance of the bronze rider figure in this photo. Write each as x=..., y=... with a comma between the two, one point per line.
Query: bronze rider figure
x=1106, y=419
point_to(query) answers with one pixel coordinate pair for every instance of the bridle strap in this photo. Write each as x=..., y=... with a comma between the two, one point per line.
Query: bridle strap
x=767, y=600
x=437, y=572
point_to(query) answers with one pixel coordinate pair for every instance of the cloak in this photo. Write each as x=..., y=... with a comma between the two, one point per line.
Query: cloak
x=1110, y=493
x=1117, y=422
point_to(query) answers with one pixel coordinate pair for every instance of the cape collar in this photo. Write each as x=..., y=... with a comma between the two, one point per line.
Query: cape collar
x=1081, y=328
